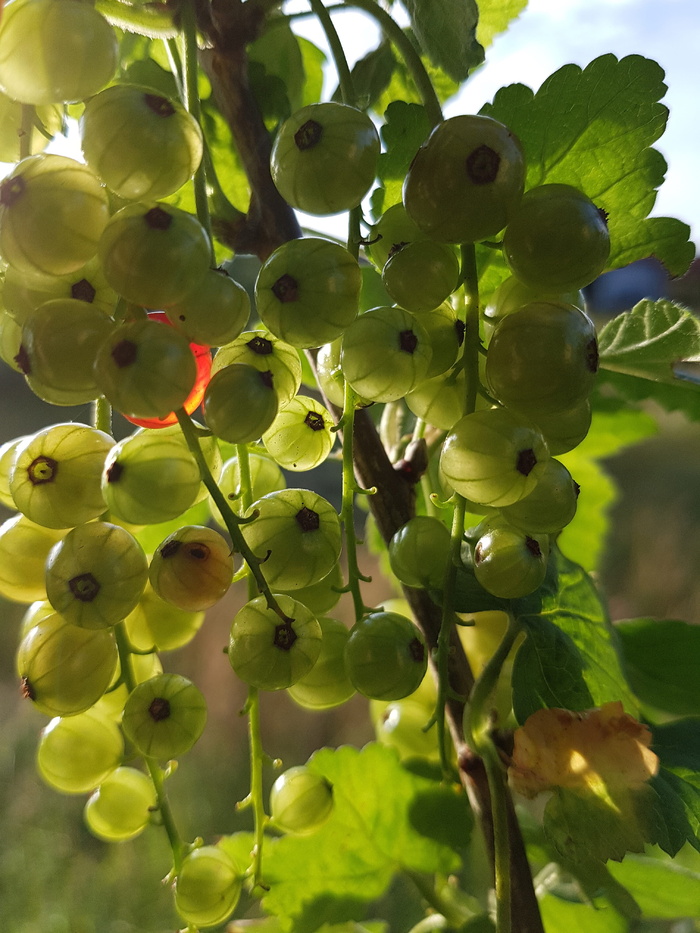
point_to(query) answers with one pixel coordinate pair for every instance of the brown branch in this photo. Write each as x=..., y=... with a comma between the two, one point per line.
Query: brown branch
x=229, y=25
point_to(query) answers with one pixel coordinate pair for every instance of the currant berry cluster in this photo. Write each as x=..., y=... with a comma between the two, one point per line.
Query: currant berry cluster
x=111, y=295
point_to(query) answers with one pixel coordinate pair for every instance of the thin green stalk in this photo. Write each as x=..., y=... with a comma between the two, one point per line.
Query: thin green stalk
x=347, y=86
x=252, y=708
x=477, y=732
x=452, y=914
x=102, y=415
x=157, y=775
x=443, y=640
x=231, y=520
x=191, y=101
x=413, y=61
x=470, y=354
x=257, y=757
x=26, y=129
x=347, y=509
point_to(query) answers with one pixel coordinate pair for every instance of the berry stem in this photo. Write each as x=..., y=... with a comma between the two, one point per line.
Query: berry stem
x=102, y=415
x=347, y=509
x=347, y=86
x=191, y=101
x=231, y=520
x=26, y=129
x=478, y=724
x=155, y=771
x=257, y=758
x=470, y=353
x=411, y=57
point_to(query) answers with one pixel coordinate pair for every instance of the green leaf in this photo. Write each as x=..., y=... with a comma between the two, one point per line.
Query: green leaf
x=662, y=659
x=277, y=50
x=446, y=30
x=663, y=890
x=569, y=658
x=677, y=784
x=371, y=76
x=583, y=539
x=593, y=129
x=405, y=130
x=683, y=396
x=648, y=340
x=583, y=827
x=384, y=819
x=313, y=60
x=495, y=16
x=402, y=87
x=559, y=915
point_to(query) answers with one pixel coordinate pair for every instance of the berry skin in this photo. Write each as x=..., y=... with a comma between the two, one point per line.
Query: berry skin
x=542, y=359
x=493, y=457
x=327, y=684
x=121, y=806
x=300, y=801
x=50, y=52
x=208, y=887
x=269, y=652
x=386, y=656
x=164, y=716
x=510, y=563
x=77, y=753
x=143, y=146
x=324, y=158
x=557, y=240
x=192, y=568
x=240, y=403
x=53, y=211
x=466, y=180
x=308, y=291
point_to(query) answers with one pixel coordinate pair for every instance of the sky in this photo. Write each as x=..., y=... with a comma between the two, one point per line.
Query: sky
x=552, y=33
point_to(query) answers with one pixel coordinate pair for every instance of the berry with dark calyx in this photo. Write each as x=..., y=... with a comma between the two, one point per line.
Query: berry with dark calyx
x=557, y=240
x=386, y=656
x=164, y=716
x=550, y=506
x=23, y=293
x=385, y=353
x=510, y=563
x=300, y=801
x=542, y=358
x=393, y=230
x=55, y=476
x=296, y=535
x=146, y=369
x=493, y=457
x=420, y=276
x=272, y=651
x=192, y=568
x=300, y=437
x=266, y=353
x=53, y=211
x=65, y=669
x=324, y=158
x=154, y=254
x=215, y=313
x=240, y=403
x=142, y=145
x=96, y=574
x=149, y=478
x=466, y=180
x=308, y=291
